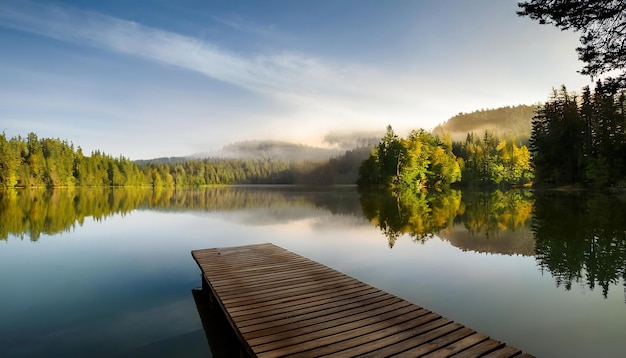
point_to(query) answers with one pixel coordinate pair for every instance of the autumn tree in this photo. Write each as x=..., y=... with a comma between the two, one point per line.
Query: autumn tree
x=418, y=161
x=493, y=161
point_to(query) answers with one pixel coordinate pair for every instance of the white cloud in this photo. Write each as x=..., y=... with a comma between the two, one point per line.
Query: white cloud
x=305, y=83
x=309, y=95
x=272, y=74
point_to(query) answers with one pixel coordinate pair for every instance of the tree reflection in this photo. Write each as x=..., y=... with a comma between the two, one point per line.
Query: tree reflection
x=581, y=238
x=577, y=237
x=494, y=222
x=29, y=213
x=495, y=212
x=418, y=214
x=32, y=212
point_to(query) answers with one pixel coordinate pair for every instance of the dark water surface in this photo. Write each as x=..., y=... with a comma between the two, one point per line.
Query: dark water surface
x=108, y=272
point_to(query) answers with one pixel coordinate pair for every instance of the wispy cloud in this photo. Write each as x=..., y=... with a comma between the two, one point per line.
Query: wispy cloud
x=315, y=92
x=308, y=95
x=282, y=75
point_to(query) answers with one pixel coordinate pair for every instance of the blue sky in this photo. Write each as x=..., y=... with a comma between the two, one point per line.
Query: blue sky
x=170, y=78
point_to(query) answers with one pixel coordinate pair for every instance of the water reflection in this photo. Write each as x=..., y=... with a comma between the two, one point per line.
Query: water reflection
x=581, y=238
x=219, y=335
x=33, y=212
x=494, y=222
x=29, y=213
x=420, y=215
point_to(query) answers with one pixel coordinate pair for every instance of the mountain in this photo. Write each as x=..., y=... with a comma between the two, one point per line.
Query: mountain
x=504, y=121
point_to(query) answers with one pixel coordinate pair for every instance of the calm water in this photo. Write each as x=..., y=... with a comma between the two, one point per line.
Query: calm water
x=101, y=272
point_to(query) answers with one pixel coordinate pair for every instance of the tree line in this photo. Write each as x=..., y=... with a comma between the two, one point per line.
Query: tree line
x=48, y=162
x=426, y=161
x=490, y=160
x=580, y=139
x=421, y=160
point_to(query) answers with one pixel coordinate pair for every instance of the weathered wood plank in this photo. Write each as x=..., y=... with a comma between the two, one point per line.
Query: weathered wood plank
x=505, y=352
x=317, y=318
x=282, y=304
x=436, y=344
x=480, y=349
x=405, y=340
x=330, y=327
x=335, y=333
x=458, y=346
x=333, y=300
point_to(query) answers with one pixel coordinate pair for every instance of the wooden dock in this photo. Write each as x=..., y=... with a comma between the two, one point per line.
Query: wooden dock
x=282, y=304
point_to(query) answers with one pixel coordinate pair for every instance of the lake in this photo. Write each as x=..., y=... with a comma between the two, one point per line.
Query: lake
x=107, y=272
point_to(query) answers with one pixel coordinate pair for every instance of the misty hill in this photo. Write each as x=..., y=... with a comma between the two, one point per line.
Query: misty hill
x=504, y=121
x=276, y=150
x=161, y=160
x=343, y=169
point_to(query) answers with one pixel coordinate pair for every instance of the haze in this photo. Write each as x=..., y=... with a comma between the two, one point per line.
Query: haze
x=171, y=78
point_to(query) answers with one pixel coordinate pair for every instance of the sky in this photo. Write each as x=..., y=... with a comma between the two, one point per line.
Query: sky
x=157, y=78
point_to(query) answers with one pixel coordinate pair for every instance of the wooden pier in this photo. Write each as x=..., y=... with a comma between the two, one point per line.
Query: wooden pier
x=282, y=304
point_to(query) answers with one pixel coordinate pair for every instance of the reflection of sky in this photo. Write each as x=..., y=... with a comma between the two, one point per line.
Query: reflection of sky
x=509, y=242
x=124, y=283
x=293, y=215
x=102, y=288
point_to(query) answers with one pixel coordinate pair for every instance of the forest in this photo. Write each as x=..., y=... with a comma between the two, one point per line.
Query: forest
x=506, y=122
x=575, y=139
x=581, y=139
x=427, y=161
x=48, y=162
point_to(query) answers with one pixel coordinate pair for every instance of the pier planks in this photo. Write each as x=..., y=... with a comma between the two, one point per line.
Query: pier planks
x=282, y=304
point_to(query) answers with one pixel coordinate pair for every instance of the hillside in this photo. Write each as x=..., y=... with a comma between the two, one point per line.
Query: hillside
x=276, y=150
x=504, y=121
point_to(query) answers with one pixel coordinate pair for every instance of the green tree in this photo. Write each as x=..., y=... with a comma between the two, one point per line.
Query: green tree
x=494, y=161
x=580, y=142
x=557, y=140
x=420, y=160
x=390, y=154
x=36, y=161
x=9, y=161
